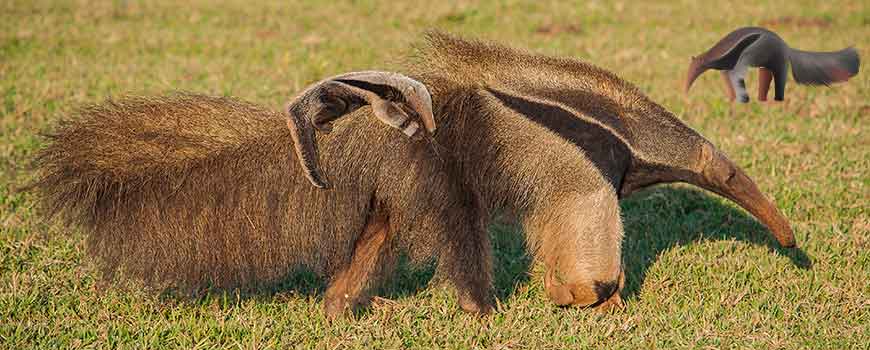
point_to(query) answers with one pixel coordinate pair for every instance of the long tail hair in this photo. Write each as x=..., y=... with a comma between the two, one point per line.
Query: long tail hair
x=153, y=182
x=823, y=68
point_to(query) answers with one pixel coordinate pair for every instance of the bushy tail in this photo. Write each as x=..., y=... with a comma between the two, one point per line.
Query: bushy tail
x=823, y=68
x=142, y=175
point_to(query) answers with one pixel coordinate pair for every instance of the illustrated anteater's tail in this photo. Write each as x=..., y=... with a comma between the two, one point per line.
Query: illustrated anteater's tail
x=823, y=68
x=152, y=179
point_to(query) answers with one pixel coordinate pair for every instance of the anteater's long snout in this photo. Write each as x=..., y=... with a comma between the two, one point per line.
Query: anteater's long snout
x=722, y=176
x=692, y=74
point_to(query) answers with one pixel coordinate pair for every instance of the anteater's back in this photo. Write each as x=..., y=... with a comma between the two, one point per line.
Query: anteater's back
x=189, y=190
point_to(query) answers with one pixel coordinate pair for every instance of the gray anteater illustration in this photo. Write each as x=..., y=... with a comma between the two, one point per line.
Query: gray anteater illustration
x=759, y=47
x=188, y=190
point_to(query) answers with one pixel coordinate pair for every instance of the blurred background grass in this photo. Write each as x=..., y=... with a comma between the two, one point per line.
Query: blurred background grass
x=701, y=273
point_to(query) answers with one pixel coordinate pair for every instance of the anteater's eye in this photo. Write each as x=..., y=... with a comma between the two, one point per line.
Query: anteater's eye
x=731, y=174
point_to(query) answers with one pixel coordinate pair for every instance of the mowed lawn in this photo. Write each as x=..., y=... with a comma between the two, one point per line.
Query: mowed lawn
x=701, y=273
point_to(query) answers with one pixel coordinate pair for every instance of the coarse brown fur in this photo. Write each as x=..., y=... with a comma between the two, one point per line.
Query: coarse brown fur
x=191, y=190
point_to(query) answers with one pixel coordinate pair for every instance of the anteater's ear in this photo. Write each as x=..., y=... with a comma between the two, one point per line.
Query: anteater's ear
x=395, y=99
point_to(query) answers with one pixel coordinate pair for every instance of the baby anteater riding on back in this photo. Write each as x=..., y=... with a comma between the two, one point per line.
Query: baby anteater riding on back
x=190, y=190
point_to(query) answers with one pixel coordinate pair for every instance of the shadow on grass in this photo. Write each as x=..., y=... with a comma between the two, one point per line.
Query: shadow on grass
x=655, y=220
x=663, y=217
x=510, y=260
x=511, y=265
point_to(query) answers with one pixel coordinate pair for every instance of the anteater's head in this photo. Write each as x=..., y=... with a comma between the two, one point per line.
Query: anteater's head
x=633, y=141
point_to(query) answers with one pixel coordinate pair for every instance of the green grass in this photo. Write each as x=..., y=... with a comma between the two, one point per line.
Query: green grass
x=701, y=273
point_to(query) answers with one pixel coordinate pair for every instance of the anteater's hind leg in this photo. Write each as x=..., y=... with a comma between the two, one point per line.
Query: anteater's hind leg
x=584, y=262
x=467, y=264
x=373, y=258
x=465, y=255
x=780, y=77
x=764, y=77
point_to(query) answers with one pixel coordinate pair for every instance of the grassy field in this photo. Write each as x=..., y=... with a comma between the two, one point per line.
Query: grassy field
x=701, y=272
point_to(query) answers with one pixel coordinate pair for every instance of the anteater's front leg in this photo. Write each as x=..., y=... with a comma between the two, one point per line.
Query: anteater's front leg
x=579, y=240
x=373, y=257
x=729, y=90
x=764, y=78
x=738, y=82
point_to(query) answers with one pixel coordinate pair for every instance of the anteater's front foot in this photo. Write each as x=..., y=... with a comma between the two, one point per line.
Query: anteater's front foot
x=602, y=296
x=612, y=304
x=585, y=296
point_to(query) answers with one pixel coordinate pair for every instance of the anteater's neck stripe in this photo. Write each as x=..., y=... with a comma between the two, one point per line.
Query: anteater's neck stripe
x=555, y=116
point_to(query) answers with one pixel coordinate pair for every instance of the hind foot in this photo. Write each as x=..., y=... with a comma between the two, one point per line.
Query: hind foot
x=478, y=307
x=372, y=259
